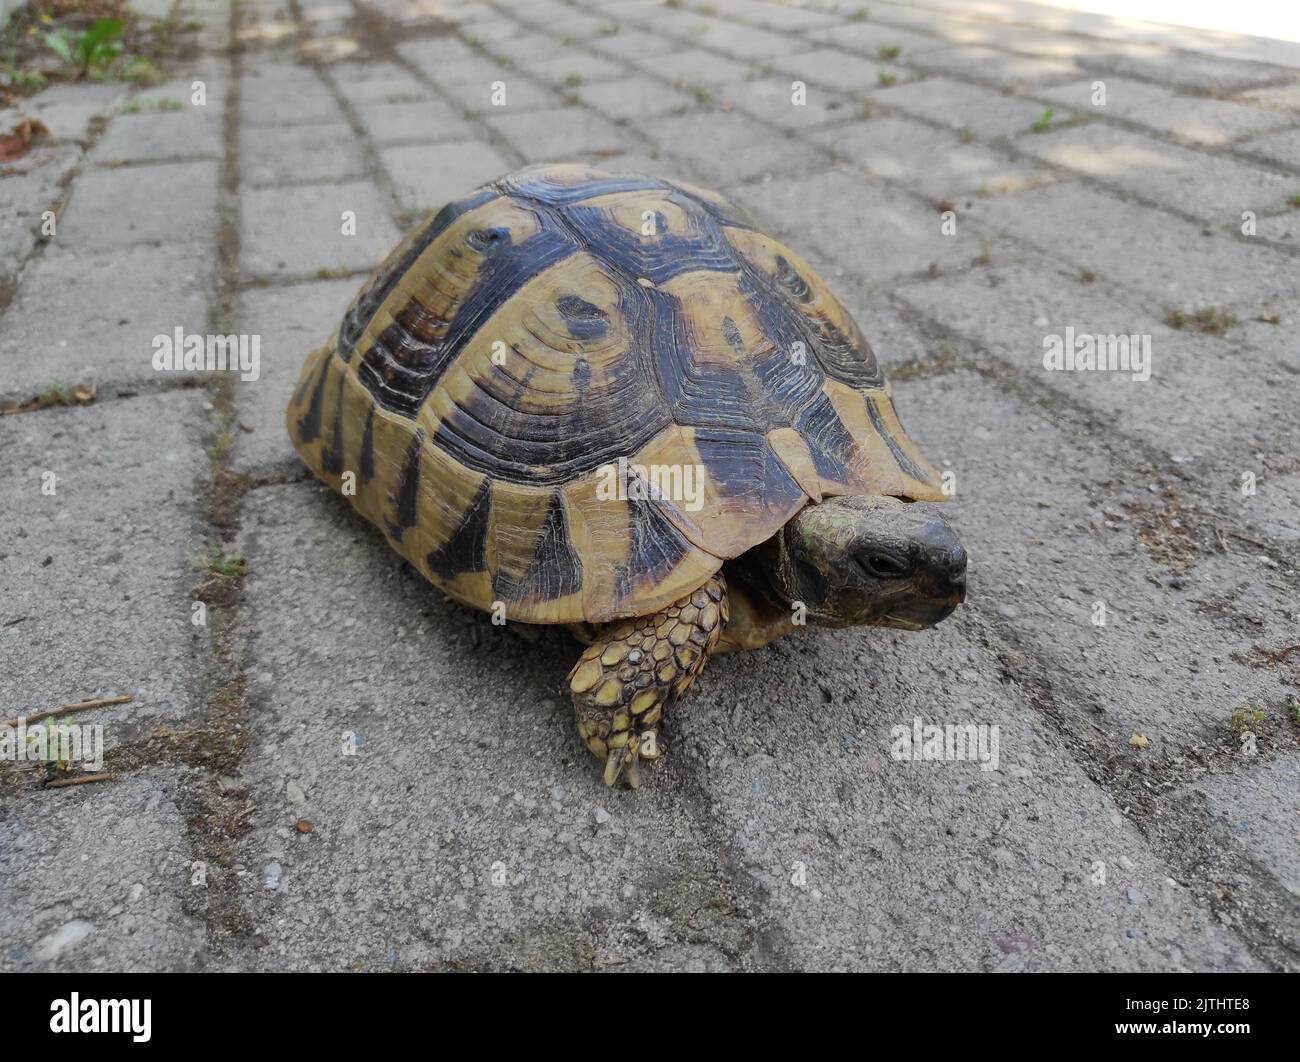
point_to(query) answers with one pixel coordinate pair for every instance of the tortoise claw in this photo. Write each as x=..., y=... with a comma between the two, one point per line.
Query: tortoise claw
x=622, y=763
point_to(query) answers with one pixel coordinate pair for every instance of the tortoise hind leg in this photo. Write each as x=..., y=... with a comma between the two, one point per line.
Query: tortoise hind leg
x=635, y=669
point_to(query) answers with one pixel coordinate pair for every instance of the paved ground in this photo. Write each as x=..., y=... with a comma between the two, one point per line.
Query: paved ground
x=454, y=823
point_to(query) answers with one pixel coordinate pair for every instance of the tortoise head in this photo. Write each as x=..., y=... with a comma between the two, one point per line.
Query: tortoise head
x=873, y=560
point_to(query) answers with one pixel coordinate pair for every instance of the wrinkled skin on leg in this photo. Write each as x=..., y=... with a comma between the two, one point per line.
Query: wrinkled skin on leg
x=872, y=561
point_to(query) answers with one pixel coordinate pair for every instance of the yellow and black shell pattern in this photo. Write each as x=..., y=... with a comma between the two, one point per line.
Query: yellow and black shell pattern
x=484, y=384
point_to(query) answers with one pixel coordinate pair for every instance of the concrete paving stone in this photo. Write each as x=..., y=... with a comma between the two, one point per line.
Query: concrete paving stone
x=1280, y=228
x=421, y=122
x=327, y=11
x=637, y=97
x=1259, y=810
x=430, y=54
x=869, y=38
x=732, y=147
x=66, y=110
x=297, y=231
x=1274, y=511
x=867, y=863
x=1172, y=262
x=581, y=30
x=430, y=176
x=183, y=135
x=266, y=28
x=625, y=11
x=1163, y=664
x=1280, y=97
x=533, y=47
x=685, y=24
x=173, y=202
x=471, y=85
x=954, y=29
x=635, y=45
x=297, y=154
x=651, y=162
x=1210, y=187
x=959, y=105
x=331, y=34
x=292, y=321
x=493, y=31
x=98, y=578
x=35, y=186
x=692, y=67
x=570, y=72
x=365, y=84
x=212, y=34
x=894, y=333
x=559, y=135
x=400, y=868
x=1195, y=118
x=212, y=70
x=94, y=879
x=1186, y=70
x=933, y=161
x=874, y=232
x=1276, y=336
x=771, y=99
x=175, y=98
x=1003, y=69
x=285, y=95
x=1283, y=147
x=469, y=14
x=781, y=19
x=90, y=317
x=838, y=71
x=1010, y=311
x=544, y=12
x=747, y=43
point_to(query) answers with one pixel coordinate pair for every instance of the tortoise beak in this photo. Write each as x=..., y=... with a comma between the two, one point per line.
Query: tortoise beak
x=940, y=586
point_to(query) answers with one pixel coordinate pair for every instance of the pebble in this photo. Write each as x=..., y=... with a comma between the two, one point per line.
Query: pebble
x=1133, y=895
x=271, y=875
x=52, y=945
x=294, y=792
x=602, y=816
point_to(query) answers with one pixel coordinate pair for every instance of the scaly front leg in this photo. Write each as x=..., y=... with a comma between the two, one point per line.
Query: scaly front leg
x=635, y=669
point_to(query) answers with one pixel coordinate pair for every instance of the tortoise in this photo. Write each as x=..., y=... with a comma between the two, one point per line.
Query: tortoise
x=609, y=401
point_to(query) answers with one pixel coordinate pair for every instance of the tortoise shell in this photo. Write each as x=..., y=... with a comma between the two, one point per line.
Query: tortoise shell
x=490, y=375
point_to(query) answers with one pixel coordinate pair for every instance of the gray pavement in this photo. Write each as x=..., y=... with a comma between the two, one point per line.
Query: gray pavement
x=326, y=765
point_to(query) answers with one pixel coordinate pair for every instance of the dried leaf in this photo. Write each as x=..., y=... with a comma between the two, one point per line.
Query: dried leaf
x=16, y=144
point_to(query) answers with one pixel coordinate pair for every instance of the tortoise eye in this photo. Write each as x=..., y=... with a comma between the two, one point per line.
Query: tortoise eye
x=884, y=565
